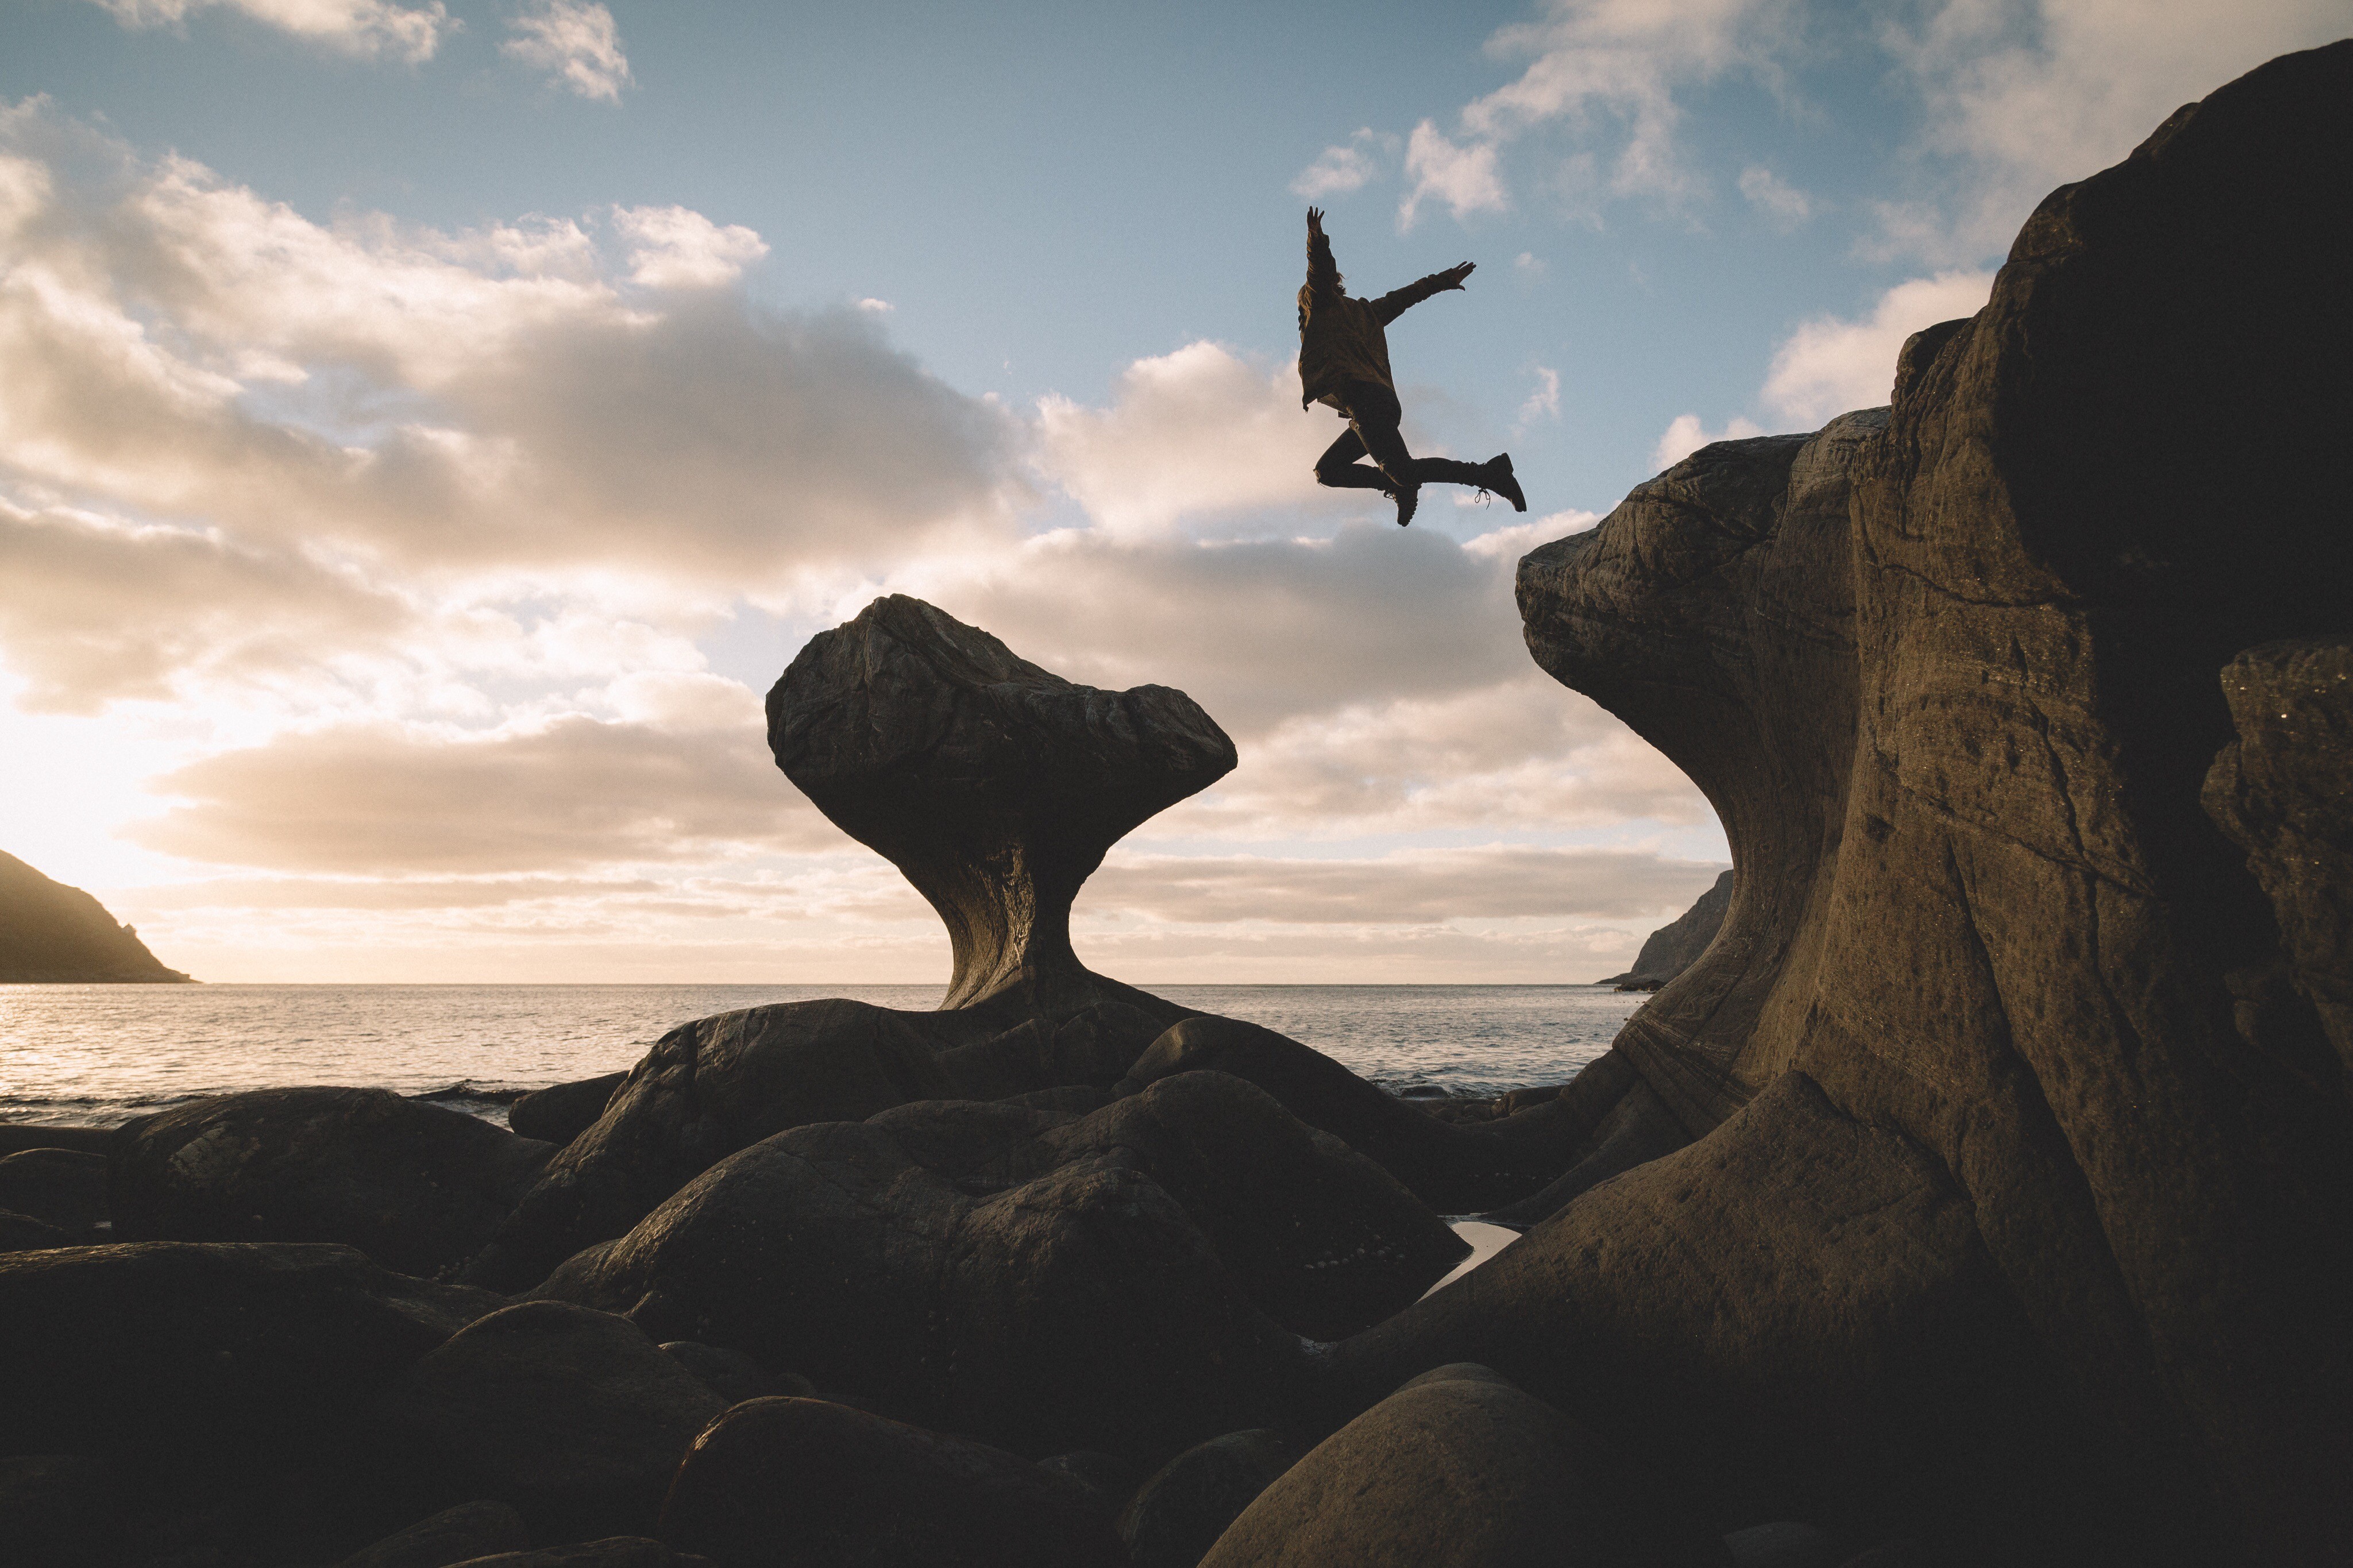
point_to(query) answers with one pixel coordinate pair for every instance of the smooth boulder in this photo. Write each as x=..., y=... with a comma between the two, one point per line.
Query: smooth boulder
x=469, y=1532
x=1177, y=1514
x=62, y=1187
x=416, y=1187
x=573, y=1416
x=802, y=1483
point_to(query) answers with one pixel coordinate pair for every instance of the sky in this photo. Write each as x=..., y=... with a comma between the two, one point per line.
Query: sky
x=427, y=427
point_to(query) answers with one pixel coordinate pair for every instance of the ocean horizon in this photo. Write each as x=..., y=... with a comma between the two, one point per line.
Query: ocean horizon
x=97, y=1054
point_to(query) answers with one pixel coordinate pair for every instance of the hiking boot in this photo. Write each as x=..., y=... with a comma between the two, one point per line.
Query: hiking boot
x=1407, y=500
x=1496, y=474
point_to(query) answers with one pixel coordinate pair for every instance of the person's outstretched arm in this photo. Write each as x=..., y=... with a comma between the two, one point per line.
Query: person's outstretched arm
x=1323, y=272
x=1398, y=301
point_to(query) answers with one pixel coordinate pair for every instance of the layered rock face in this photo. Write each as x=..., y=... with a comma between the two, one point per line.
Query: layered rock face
x=55, y=934
x=1957, y=728
x=994, y=785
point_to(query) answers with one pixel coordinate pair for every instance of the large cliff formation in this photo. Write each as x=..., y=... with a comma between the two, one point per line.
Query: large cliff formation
x=56, y=934
x=2024, y=706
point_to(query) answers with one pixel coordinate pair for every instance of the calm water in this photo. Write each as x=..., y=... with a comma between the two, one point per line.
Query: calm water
x=102, y=1054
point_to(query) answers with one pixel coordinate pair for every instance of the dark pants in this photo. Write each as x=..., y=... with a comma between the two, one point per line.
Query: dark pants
x=1373, y=414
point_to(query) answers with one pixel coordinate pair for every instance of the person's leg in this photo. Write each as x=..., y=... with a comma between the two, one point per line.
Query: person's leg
x=1338, y=467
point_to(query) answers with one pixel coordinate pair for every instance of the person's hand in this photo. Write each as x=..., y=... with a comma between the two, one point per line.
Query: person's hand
x=1315, y=220
x=1454, y=276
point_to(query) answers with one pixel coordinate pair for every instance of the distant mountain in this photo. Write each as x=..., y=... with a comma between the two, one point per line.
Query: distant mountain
x=51, y=932
x=1673, y=948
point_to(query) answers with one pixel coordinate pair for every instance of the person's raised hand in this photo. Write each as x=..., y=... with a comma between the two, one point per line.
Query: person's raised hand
x=1454, y=276
x=1315, y=220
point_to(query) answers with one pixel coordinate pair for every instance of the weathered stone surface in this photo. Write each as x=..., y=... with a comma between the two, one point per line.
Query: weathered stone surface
x=1676, y=946
x=733, y=1375
x=416, y=1187
x=722, y=1083
x=51, y=933
x=1461, y=1467
x=809, y=1484
x=1960, y=753
x=1055, y=1295
x=573, y=1416
x=561, y=1111
x=994, y=785
x=1796, y=1313
x=459, y=1534
x=62, y=1187
x=1178, y=1515
x=207, y=1359
x=2280, y=790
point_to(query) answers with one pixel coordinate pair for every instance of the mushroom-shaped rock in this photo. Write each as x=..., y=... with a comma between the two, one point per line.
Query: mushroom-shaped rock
x=994, y=785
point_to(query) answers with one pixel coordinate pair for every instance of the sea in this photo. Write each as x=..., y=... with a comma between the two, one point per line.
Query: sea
x=100, y=1055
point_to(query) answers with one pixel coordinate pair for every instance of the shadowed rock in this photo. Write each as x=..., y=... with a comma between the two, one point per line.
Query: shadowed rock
x=561, y=1111
x=1956, y=729
x=995, y=786
x=459, y=1534
x=62, y=1187
x=2284, y=792
x=1459, y=1469
x=416, y=1186
x=809, y=1484
x=1116, y=1283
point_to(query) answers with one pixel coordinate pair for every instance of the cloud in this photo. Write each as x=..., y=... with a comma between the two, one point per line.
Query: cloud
x=1829, y=365
x=1464, y=178
x=676, y=248
x=1544, y=402
x=569, y=792
x=368, y=28
x=2020, y=96
x=1423, y=887
x=575, y=41
x=1199, y=431
x=526, y=396
x=1685, y=435
x=1347, y=166
x=1784, y=204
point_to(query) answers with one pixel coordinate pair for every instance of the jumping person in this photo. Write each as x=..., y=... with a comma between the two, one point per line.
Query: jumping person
x=1343, y=362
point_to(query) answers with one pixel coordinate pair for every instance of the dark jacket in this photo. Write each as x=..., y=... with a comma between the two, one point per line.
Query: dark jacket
x=1341, y=339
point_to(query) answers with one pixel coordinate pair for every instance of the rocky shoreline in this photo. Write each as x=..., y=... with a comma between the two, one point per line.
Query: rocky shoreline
x=1981, y=1194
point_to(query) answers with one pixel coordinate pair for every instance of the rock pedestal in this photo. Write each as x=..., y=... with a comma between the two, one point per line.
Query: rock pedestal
x=994, y=785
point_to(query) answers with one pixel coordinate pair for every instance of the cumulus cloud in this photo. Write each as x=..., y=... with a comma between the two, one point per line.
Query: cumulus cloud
x=369, y=28
x=1347, y=166
x=1686, y=435
x=2020, y=96
x=1829, y=365
x=571, y=792
x=575, y=41
x=483, y=401
x=676, y=248
x=1201, y=430
x=1464, y=178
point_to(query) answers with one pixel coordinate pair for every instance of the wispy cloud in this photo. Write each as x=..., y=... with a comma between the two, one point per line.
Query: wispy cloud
x=1348, y=165
x=408, y=33
x=1685, y=435
x=1464, y=177
x=1780, y=201
x=577, y=42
